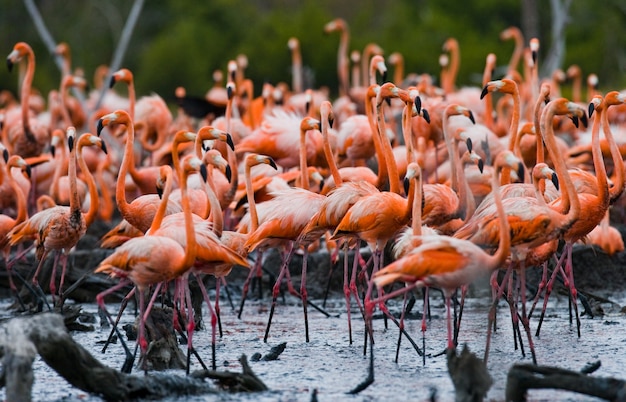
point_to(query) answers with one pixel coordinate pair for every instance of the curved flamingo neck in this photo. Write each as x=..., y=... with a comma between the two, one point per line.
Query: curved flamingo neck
x=27, y=83
x=598, y=160
x=382, y=173
x=392, y=167
x=166, y=171
x=74, y=198
x=570, y=197
x=217, y=217
x=487, y=74
x=504, y=245
x=304, y=175
x=618, y=162
x=518, y=50
x=127, y=161
x=254, y=217
x=453, y=48
x=94, y=202
x=328, y=152
x=190, y=249
x=22, y=212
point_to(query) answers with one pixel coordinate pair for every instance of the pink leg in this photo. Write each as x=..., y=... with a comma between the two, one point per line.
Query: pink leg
x=246, y=285
x=346, y=290
x=303, y=294
x=213, y=314
x=284, y=269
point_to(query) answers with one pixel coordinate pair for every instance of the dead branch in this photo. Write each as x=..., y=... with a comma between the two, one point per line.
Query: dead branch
x=523, y=377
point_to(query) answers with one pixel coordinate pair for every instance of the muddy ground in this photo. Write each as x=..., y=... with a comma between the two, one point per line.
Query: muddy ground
x=328, y=366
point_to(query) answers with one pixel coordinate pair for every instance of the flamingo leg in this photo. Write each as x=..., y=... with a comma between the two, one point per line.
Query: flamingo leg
x=213, y=314
x=347, y=291
x=276, y=290
x=303, y=293
x=256, y=268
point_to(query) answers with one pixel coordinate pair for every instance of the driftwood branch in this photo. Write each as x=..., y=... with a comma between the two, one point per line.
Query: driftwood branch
x=21, y=339
x=523, y=377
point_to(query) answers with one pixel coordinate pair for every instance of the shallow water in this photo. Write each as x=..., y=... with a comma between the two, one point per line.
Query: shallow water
x=331, y=366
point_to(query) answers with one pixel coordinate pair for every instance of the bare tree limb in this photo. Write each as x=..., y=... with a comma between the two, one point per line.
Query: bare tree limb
x=560, y=19
x=50, y=43
x=127, y=32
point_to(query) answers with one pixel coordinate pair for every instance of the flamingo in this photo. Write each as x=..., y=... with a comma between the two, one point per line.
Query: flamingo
x=58, y=228
x=140, y=212
x=341, y=26
x=444, y=262
x=593, y=208
x=210, y=251
x=152, y=260
x=284, y=221
x=21, y=132
x=250, y=160
x=7, y=222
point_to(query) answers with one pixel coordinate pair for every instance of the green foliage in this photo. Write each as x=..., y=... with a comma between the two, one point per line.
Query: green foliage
x=182, y=42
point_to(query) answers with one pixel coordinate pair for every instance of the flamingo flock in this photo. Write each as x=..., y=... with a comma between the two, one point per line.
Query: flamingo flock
x=461, y=183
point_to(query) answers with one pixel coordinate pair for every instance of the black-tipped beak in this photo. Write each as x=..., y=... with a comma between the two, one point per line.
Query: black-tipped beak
x=331, y=121
x=273, y=164
x=418, y=104
x=481, y=166
x=307, y=107
x=159, y=191
x=484, y=92
x=322, y=183
x=520, y=171
x=99, y=127
x=407, y=184
x=468, y=143
x=27, y=170
x=9, y=65
x=229, y=92
x=555, y=181
x=534, y=56
x=228, y=173
x=388, y=101
x=103, y=146
x=70, y=143
x=426, y=115
x=384, y=77
x=229, y=141
x=575, y=120
x=584, y=121
x=52, y=150
x=592, y=107
x=112, y=82
x=5, y=155
x=203, y=172
x=471, y=117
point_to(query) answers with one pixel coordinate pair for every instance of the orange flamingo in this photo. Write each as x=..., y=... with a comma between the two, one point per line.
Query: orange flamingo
x=210, y=251
x=342, y=53
x=21, y=132
x=283, y=222
x=140, y=212
x=441, y=261
x=7, y=222
x=593, y=208
x=152, y=260
x=250, y=161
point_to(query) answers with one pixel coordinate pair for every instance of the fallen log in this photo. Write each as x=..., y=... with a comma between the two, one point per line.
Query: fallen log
x=523, y=377
x=22, y=338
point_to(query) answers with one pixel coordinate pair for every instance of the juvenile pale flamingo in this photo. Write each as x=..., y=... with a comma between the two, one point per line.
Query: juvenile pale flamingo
x=58, y=228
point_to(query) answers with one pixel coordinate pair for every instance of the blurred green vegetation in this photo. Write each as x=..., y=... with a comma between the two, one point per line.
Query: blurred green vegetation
x=182, y=42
